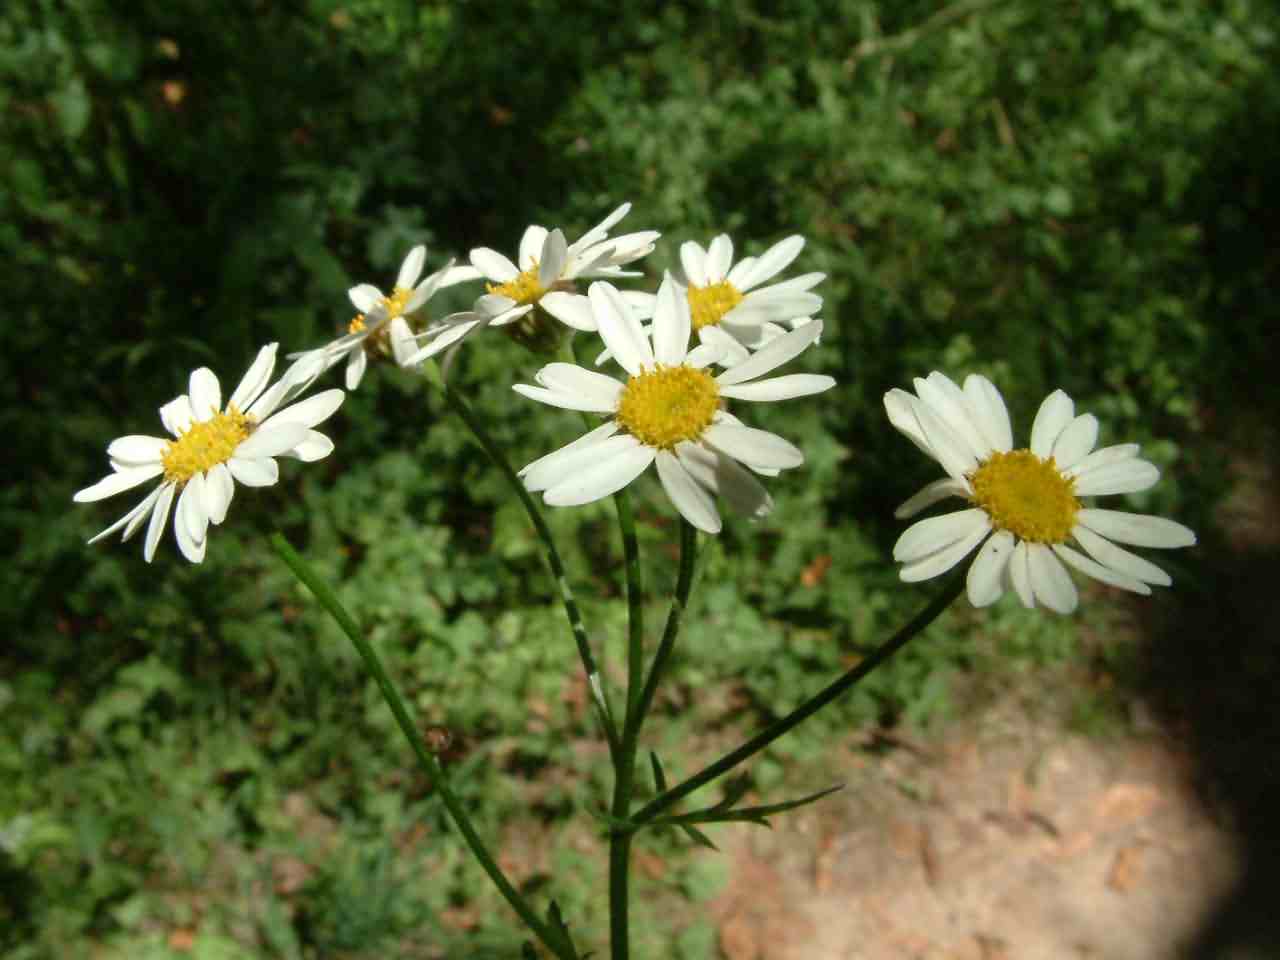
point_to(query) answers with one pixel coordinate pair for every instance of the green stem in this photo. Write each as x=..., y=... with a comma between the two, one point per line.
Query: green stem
x=780, y=727
x=684, y=583
x=599, y=697
x=625, y=759
x=457, y=810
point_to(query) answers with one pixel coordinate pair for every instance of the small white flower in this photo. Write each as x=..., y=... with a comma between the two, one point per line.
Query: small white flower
x=215, y=447
x=1025, y=503
x=549, y=265
x=729, y=307
x=382, y=322
x=668, y=412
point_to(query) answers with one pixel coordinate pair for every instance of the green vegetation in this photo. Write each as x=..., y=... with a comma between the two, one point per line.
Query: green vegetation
x=1060, y=193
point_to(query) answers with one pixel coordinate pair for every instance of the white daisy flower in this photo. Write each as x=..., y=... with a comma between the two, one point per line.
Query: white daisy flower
x=382, y=324
x=549, y=266
x=1025, y=503
x=729, y=307
x=214, y=447
x=668, y=412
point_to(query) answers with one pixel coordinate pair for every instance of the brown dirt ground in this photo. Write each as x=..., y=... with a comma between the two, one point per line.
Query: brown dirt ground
x=1015, y=842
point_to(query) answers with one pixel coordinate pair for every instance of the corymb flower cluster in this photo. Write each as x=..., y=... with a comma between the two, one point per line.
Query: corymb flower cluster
x=716, y=334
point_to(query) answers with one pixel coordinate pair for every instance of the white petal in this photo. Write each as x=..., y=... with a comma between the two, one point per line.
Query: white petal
x=719, y=258
x=176, y=415
x=356, y=364
x=425, y=291
x=935, y=492
x=132, y=518
x=722, y=475
x=598, y=435
x=901, y=409
x=1100, y=458
x=205, y=393
x=671, y=324
x=403, y=344
x=601, y=229
x=948, y=401
x=1136, y=528
x=255, y=379
x=741, y=269
x=1075, y=442
x=554, y=254
x=1020, y=575
x=254, y=473
x=531, y=243
x=703, y=355
x=271, y=439
x=571, y=309
x=780, y=388
x=761, y=306
x=411, y=267
x=190, y=521
x=118, y=482
x=159, y=516
x=573, y=458
x=694, y=263
x=602, y=477
x=219, y=488
x=365, y=297
x=728, y=350
x=1092, y=568
x=1054, y=414
x=693, y=502
x=985, y=581
x=620, y=329
x=309, y=412
x=937, y=533
x=493, y=265
x=136, y=449
x=1126, y=476
x=757, y=448
x=926, y=568
x=990, y=413
x=316, y=447
x=772, y=355
x=773, y=261
x=455, y=275
x=1049, y=579
x=565, y=401
x=950, y=449
x=448, y=338
x=1119, y=559
x=642, y=304
x=569, y=378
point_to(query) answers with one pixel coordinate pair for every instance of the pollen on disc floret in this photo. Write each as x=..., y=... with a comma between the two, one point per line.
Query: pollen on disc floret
x=525, y=287
x=1027, y=496
x=668, y=405
x=205, y=444
x=707, y=305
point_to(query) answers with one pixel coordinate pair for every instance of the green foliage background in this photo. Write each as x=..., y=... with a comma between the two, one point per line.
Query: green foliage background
x=1073, y=193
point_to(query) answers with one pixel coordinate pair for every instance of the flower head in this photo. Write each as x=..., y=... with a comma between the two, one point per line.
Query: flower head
x=549, y=266
x=1025, y=503
x=213, y=447
x=382, y=325
x=668, y=412
x=729, y=307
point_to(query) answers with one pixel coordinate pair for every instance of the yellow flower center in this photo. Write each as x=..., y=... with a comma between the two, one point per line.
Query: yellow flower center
x=357, y=324
x=396, y=303
x=1027, y=496
x=523, y=288
x=205, y=444
x=709, y=304
x=666, y=405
